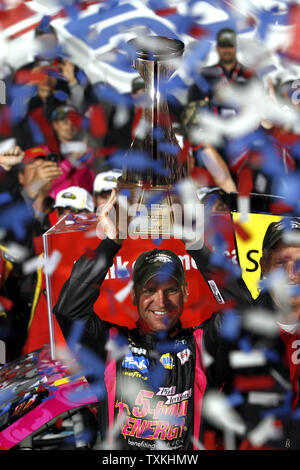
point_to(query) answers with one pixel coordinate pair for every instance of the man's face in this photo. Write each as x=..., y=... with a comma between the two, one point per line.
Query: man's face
x=159, y=303
x=27, y=176
x=101, y=198
x=64, y=129
x=62, y=211
x=227, y=54
x=286, y=258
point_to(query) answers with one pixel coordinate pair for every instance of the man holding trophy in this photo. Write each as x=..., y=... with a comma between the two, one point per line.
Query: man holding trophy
x=154, y=386
x=156, y=381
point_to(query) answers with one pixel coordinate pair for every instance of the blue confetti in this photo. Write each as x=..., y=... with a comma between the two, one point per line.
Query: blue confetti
x=157, y=241
x=137, y=161
x=60, y=95
x=231, y=325
x=245, y=344
x=110, y=95
x=5, y=198
x=36, y=133
x=166, y=147
x=235, y=399
x=16, y=218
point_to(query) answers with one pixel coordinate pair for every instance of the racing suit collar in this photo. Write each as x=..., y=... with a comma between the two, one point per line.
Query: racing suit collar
x=150, y=339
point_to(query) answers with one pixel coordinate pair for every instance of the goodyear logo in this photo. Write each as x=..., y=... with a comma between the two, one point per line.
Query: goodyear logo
x=167, y=361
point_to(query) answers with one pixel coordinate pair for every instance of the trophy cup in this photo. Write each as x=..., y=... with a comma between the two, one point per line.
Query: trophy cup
x=149, y=189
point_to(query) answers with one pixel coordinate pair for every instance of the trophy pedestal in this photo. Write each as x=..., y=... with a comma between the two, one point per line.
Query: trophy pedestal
x=146, y=210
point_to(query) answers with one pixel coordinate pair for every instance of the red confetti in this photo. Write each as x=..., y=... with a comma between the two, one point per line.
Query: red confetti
x=6, y=303
x=209, y=440
x=260, y=382
x=98, y=121
x=241, y=232
x=183, y=154
x=166, y=11
x=294, y=47
x=280, y=208
x=136, y=119
x=102, y=152
x=245, y=183
x=31, y=76
x=196, y=31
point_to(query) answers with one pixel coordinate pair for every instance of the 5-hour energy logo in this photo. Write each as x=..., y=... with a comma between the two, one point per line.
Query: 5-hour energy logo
x=167, y=416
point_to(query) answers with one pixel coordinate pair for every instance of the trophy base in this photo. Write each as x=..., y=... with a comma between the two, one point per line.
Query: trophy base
x=145, y=210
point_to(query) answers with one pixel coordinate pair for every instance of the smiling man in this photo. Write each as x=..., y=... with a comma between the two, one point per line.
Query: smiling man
x=155, y=387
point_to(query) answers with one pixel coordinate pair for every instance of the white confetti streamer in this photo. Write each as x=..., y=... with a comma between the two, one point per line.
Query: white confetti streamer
x=218, y=412
x=265, y=430
x=243, y=203
x=121, y=295
x=51, y=263
x=261, y=321
x=252, y=358
x=73, y=147
x=33, y=264
x=265, y=398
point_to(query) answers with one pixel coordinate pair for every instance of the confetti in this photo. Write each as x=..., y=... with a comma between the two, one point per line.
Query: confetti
x=253, y=358
x=218, y=412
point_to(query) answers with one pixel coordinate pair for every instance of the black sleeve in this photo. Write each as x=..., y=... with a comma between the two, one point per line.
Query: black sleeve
x=81, y=290
x=225, y=280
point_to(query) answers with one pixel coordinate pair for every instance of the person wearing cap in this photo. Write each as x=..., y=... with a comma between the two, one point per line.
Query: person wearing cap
x=273, y=388
x=103, y=184
x=51, y=71
x=76, y=155
x=28, y=210
x=36, y=176
x=227, y=70
x=155, y=379
x=73, y=200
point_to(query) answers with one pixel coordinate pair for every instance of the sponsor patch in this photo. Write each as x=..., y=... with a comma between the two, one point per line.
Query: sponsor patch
x=167, y=361
x=139, y=363
x=184, y=355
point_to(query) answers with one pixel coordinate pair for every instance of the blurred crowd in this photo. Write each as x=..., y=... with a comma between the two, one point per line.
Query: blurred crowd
x=58, y=132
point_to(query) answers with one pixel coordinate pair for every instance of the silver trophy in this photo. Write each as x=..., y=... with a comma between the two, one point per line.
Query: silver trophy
x=150, y=188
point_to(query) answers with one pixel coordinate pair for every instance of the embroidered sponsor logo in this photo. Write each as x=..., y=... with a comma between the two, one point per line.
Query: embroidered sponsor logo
x=139, y=351
x=179, y=397
x=184, y=355
x=165, y=391
x=140, y=363
x=167, y=361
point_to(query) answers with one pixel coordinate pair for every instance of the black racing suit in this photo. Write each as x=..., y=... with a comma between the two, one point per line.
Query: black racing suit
x=154, y=389
x=156, y=386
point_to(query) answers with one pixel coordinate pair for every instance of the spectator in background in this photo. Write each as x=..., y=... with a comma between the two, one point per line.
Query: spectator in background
x=28, y=209
x=57, y=81
x=76, y=156
x=228, y=70
x=53, y=71
x=103, y=185
x=36, y=176
x=73, y=200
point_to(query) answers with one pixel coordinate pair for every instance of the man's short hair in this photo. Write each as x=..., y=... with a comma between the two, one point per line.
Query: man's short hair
x=162, y=263
x=226, y=37
x=276, y=231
